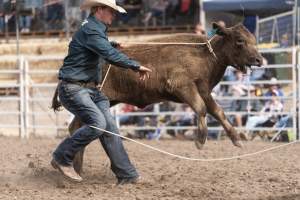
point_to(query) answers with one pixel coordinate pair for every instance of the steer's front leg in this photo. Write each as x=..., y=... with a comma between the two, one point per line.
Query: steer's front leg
x=216, y=111
x=190, y=95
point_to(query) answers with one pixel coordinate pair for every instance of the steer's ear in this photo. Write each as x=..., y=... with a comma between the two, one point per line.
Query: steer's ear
x=220, y=30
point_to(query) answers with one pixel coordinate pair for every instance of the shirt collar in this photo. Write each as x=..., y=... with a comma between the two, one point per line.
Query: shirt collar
x=100, y=24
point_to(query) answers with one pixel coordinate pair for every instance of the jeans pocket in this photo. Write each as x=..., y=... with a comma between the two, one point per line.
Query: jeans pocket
x=67, y=93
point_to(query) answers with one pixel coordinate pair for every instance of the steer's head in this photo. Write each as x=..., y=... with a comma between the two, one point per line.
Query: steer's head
x=239, y=46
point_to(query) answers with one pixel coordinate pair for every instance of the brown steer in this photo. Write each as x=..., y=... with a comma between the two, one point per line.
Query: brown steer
x=184, y=74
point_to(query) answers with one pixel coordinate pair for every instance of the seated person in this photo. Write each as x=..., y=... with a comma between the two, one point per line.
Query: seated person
x=267, y=113
x=127, y=119
x=273, y=87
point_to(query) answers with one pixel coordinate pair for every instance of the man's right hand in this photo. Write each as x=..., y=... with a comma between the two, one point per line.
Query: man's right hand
x=144, y=73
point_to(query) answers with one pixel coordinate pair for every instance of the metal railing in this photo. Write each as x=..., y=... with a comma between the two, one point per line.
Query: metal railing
x=272, y=29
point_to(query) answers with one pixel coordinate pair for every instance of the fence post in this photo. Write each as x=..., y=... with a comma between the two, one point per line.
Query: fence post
x=21, y=97
x=26, y=98
x=294, y=74
x=257, y=30
x=298, y=98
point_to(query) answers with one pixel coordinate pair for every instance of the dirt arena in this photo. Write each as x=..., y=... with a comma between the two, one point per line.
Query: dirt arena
x=25, y=172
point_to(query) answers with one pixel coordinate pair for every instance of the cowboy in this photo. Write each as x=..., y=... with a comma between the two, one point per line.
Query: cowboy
x=78, y=92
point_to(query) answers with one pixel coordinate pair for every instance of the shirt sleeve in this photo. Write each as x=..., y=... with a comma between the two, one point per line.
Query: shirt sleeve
x=101, y=46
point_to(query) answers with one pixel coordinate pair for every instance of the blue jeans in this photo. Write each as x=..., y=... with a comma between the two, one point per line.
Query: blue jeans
x=92, y=108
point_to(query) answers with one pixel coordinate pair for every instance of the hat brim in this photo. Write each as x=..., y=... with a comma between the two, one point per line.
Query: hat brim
x=89, y=5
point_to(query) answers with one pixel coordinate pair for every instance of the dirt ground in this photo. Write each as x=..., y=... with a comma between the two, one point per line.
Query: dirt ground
x=25, y=172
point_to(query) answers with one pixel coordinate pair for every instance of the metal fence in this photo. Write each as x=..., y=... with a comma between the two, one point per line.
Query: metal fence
x=30, y=103
x=279, y=29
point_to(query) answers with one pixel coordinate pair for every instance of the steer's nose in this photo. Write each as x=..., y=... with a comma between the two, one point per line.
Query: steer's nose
x=259, y=61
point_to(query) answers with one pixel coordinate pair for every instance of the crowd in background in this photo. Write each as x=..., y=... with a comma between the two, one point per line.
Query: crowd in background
x=52, y=16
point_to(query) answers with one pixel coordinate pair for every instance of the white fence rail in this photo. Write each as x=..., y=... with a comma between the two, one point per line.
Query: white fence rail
x=33, y=99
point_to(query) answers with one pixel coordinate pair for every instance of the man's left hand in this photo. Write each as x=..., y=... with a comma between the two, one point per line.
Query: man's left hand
x=144, y=73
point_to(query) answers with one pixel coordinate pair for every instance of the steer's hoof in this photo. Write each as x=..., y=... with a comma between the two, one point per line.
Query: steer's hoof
x=243, y=136
x=238, y=143
x=199, y=145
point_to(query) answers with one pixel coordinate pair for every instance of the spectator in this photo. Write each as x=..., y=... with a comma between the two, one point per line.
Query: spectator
x=284, y=41
x=55, y=16
x=133, y=8
x=239, y=90
x=25, y=23
x=272, y=106
x=172, y=10
x=158, y=9
x=188, y=119
x=126, y=119
x=2, y=24
x=274, y=87
x=185, y=6
x=200, y=30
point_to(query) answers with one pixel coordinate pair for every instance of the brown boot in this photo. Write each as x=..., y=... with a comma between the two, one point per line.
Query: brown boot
x=67, y=171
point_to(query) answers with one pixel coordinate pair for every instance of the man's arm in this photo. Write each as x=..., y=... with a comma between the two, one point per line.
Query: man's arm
x=103, y=47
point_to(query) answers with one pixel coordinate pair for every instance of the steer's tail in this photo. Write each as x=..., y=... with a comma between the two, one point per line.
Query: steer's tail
x=55, y=102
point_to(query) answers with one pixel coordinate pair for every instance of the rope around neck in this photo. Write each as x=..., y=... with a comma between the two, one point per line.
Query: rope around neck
x=197, y=159
x=172, y=43
x=207, y=43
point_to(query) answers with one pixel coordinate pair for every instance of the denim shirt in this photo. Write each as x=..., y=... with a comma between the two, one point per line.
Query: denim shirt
x=88, y=52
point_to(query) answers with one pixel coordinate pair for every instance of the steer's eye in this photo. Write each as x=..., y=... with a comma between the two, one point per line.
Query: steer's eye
x=240, y=42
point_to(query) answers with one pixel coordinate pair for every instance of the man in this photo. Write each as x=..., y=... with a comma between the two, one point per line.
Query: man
x=78, y=93
x=199, y=30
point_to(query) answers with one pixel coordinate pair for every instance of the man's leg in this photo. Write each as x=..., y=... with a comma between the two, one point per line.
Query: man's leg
x=78, y=101
x=113, y=146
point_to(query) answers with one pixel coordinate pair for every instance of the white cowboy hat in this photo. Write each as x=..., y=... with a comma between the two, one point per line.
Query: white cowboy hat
x=87, y=4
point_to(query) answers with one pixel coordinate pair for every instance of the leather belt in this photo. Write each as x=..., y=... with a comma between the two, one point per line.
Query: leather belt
x=83, y=84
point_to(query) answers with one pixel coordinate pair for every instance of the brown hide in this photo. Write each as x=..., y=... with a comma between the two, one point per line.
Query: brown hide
x=173, y=67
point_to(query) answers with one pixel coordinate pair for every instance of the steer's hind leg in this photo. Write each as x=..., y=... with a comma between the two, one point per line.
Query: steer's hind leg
x=78, y=159
x=190, y=95
x=216, y=111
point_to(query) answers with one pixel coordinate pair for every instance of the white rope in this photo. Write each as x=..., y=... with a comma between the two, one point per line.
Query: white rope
x=197, y=159
x=165, y=43
x=101, y=86
x=172, y=43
